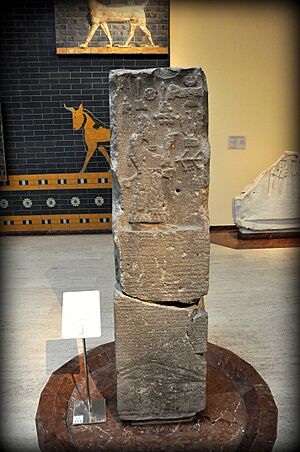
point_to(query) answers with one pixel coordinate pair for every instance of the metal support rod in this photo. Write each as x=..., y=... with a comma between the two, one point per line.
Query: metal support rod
x=86, y=375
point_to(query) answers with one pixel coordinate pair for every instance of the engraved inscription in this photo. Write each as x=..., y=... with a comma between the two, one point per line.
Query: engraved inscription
x=284, y=174
x=271, y=202
x=160, y=167
x=160, y=162
x=165, y=118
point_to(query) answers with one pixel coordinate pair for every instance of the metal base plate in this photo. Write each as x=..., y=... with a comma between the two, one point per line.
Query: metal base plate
x=82, y=415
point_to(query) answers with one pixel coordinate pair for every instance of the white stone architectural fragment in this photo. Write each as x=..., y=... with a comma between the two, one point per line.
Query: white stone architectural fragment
x=272, y=201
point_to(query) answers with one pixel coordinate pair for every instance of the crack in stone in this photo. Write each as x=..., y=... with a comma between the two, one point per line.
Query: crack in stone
x=191, y=341
x=168, y=304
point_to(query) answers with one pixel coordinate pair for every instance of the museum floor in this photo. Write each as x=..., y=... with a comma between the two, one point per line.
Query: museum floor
x=252, y=307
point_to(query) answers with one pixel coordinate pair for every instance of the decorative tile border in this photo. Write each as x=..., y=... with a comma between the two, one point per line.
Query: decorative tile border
x=62, y=205
x=57, y=181
x=36, y=202
x=56, y=222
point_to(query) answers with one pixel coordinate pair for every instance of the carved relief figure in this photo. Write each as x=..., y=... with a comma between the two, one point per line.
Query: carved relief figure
x=95, y=132
x=101, y=15
x=170, y=139
x=283, y=174
x=148, y=201
x=271, y=202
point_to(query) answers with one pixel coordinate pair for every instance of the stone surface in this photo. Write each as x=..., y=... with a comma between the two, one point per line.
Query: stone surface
x=160, y=164
x=241, y=414
x=163, y=266
x=160, y=359
x=272, y=201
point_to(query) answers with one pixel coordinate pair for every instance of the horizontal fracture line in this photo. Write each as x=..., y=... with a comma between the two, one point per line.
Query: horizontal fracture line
x=177, y=304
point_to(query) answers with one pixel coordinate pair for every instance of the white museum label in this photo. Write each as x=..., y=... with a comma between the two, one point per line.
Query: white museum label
x=77, y=419
x=81, y=314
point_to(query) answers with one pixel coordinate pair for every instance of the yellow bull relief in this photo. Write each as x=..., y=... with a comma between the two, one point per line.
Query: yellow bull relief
x=95, y=132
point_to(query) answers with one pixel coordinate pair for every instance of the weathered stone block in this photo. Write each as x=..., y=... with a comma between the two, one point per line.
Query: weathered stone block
x=160, y=164
x=160, y=266
x=160, y=358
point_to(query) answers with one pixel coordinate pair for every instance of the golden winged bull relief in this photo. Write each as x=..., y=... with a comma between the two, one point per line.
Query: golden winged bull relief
x=101, y=15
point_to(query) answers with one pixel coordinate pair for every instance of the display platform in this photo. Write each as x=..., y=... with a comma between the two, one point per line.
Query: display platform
x=230, y=237
x=241, y=414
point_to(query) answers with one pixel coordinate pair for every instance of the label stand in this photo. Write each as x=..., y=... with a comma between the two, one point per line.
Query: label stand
x=81, y=319
x=88, y=411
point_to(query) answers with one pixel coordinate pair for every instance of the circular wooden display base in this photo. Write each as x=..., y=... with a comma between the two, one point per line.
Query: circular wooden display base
x=241, y=414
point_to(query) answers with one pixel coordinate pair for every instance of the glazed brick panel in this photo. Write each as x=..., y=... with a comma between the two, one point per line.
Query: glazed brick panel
x=72, y=22
x=35, y=82
x=89, y=200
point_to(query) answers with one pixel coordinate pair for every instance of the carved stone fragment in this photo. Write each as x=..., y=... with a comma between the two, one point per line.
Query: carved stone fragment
x=160, y=265
x=160, y=165
x=272, y=201
x=161, y=365
x=160, y=162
